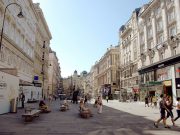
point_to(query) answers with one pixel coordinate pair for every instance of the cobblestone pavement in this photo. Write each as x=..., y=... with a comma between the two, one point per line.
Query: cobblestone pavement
x=116, y=119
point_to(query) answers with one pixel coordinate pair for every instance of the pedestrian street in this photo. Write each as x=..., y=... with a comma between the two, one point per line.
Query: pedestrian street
x=117, y=118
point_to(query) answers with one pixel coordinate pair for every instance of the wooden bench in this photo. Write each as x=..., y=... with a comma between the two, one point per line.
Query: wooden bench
x=63, y=108
x=28, y=116
x=84, y=114
x=44, y=110
x=28, y=109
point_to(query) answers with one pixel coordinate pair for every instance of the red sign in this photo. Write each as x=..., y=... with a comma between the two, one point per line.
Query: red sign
x=177, y=70
x=135, y=90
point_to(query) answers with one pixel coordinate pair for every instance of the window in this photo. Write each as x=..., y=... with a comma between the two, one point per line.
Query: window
x=160, y=39
x=157, y=10
x=142, y=39
x=150, y=44
x=142, y=48
x=149, y=32
x=159, y=25
x=172, y=31
x=171, y=15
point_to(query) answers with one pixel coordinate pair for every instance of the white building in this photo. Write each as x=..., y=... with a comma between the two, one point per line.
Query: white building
x=129, y=53
x=159, y=40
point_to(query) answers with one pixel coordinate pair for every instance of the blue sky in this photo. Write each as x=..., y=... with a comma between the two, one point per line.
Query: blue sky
x=82, y=30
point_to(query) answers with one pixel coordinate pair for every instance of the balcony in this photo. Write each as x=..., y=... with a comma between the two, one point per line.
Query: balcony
x=151, y=52
x=161, y=46
x=126, y=43
x=126, y=30
x=173, y=40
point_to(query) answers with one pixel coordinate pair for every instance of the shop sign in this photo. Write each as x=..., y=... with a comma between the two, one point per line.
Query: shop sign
x=155, y=83
x=167, y=83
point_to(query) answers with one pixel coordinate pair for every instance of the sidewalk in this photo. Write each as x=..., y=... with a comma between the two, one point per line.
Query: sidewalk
x=139, y=109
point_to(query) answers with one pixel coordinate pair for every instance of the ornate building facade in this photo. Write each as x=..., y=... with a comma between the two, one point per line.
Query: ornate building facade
x=159, y=36
x=129, y=52
x=106, y=72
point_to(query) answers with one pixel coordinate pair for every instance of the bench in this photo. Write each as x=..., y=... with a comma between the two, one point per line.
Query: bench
x=28, y=116
x=63, y=108
x=28, y=109
x=84, y=114
x=44, y=110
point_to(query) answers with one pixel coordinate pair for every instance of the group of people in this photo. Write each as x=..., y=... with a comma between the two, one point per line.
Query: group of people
x=151, y=101
x=98, y=104
x=166, y=107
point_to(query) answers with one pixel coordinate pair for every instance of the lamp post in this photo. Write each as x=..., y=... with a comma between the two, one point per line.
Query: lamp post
x=20, y=15
x=43, y=69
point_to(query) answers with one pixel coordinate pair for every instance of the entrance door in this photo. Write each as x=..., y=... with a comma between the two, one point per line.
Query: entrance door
x=168, y=90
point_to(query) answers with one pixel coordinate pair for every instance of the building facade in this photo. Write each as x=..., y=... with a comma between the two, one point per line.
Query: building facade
x=25, y=45
x=18, y=41
x=43, y=37
x=106, y=72
x=159, y=43
x=129, y=51
x=54, y=74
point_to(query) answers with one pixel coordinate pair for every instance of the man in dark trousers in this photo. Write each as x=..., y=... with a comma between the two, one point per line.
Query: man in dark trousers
x=22, y=99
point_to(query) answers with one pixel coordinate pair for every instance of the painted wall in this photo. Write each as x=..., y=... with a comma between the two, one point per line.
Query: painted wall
x=9, y=87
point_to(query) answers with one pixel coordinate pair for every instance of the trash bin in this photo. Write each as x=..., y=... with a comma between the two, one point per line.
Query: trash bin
x=13, y=106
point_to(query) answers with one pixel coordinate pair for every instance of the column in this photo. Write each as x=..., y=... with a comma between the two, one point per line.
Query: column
x=177, y=9
x=164, y=20
x=154, y=29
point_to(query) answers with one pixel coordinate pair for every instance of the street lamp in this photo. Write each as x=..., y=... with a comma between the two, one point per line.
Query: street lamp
x=20, y=15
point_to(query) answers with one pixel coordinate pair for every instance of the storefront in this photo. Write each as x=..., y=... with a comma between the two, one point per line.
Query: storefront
x=161, y=77
x=177, y=79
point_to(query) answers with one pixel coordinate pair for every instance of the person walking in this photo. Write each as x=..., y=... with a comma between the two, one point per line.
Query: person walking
x=85, y=100
x=99, y=104
x=177, y=108
x=22, y=99
x=154, y=100
x=162, y=112
x=146, y=101
x=107, y=98
x=169, y=106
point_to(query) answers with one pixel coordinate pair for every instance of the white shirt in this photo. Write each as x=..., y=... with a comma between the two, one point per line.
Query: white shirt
x=178, y=104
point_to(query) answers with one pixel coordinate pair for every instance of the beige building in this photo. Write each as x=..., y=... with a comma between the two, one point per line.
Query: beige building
x=54, y=73
x=129, y=52
x=67, y=85
x=106, y=72
x=18, y=41
x=25, y=43
x=41, y=51
x=159, y=37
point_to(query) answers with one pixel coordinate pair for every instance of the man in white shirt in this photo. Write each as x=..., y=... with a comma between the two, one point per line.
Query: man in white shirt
x=177, y=108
